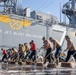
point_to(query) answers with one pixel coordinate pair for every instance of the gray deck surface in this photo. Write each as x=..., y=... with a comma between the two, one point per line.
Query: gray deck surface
x=33, y=70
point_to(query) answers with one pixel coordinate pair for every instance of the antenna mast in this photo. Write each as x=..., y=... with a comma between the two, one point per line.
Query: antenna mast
x=60, y=13
x=10, y=6
x=70, y=11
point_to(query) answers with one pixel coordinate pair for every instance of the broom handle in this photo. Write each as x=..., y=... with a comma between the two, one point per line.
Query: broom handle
x=48, y=55
x=74, y=53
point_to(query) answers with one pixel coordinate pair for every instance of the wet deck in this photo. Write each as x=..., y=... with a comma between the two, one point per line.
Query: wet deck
x=34, y=70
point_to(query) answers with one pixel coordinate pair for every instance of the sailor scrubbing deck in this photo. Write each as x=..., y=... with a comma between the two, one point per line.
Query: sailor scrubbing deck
x=70, y=48
x=4, y=54
x=33, y=49
x=56, y=46
x=48, y=48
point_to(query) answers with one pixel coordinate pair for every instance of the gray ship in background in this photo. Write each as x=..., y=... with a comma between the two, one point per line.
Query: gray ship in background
x=18, y=26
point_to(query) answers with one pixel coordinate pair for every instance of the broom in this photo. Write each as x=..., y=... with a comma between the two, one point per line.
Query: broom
x=72, y=57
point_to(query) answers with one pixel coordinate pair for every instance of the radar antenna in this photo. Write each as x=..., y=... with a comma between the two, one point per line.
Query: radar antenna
x=69, y=10
x=9, y=5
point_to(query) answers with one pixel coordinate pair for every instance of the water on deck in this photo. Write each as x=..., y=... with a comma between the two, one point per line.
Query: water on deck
x=6, y=69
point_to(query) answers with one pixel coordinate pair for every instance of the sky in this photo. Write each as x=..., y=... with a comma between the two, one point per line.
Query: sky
x=45, y=6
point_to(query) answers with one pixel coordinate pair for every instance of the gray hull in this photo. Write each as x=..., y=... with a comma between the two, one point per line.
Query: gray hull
x=10, y=37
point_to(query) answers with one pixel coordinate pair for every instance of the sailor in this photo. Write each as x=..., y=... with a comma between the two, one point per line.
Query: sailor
x=70, y=48
x=20, y=51
x=48, y=48
x=27, y=48
x=4, y=54
x=14, y=54
x=56, y=46
x=33, y=50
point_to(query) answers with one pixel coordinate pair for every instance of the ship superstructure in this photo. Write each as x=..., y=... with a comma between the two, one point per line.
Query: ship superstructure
x=22, y=25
